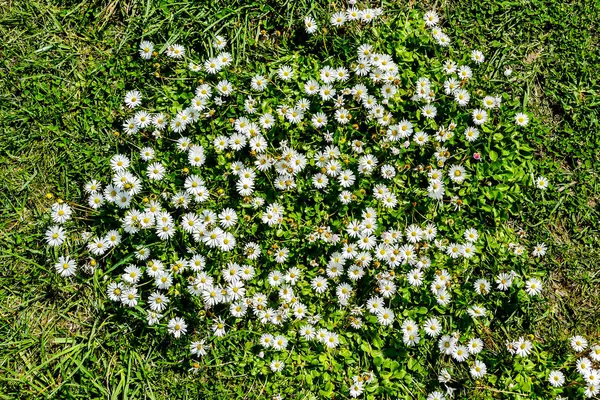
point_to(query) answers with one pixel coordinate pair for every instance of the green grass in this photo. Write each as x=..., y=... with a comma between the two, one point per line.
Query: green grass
x=64, y=67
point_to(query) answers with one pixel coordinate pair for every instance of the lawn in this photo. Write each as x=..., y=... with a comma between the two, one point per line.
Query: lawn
x=64, y=69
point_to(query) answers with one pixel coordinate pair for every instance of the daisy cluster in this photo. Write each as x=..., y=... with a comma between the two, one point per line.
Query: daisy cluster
x=587, y=365
x=176, y=232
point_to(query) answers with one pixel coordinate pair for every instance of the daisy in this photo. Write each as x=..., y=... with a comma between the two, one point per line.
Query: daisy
x=468, y=250
x=387, y=288
x=146, y=49
x=319, y=284
x=482, y=286
x=266, y=340
x=61, y=213
x=326, y=92
x=65, y=266
x=159, y=121
x=311, y=87
x=595, y=352
x=155, y=268
x=431, y=18
x=385, y=316
x=461, y=96
x=471, y=134
x=578, y=343
x=227, y=242
x=131, y=275
x=522, y=347
x=444, y=376
x=471, y=235
x=177, y=327
x=477, y=56
x=95, y=201
x=327, y=74
x=285, y=73
x=236, y=289
x=155, y=171
x=277, y=365
x=338, y=19
x=294, y=115
x=429, y=111
x=541, y=183
x=147, y=153
x=165, y=232
x=198, y=348
x=475, y=346
x=258, y=83
x=92, y=187
x=460, y=353
x=55, y=236
x=415, y=277
x=307, y=332
x=479, y=116
x=142, y=119
x=433, y=327
x=320, y=180
x=476, y=311
x=221, y=142
x=346, y=178
x=489, y=102
x=539, y=250
x=225, y=59
x=447, y=344
x=464, y=72
x=443, y=297
x=369, y=14
x=478, y=369
x=414, y=233
x=421, y=138
x=521, y=119
x=199, y=103
x=203, y=91
x=133, y=98
x=266, y=121
x=98, y=246
x=219, y=42
x=449, y=67
x=504, y=281
x=345, y=197
x=436, y=396
x=280, y=342
x=453, y=250
x=158, y=302
x=238, y=309
x=212, y=65
x=310, y=25
x=356, y=389
x=319, y=120
x=114, y=291
x=227, y=218
x=583, y=364
x=592, y=376
x=129, y=296
x=175, y=51
x=533, y=287
x=224, y=87
x=443, y=39
x=178, y=124
x=556, y=378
